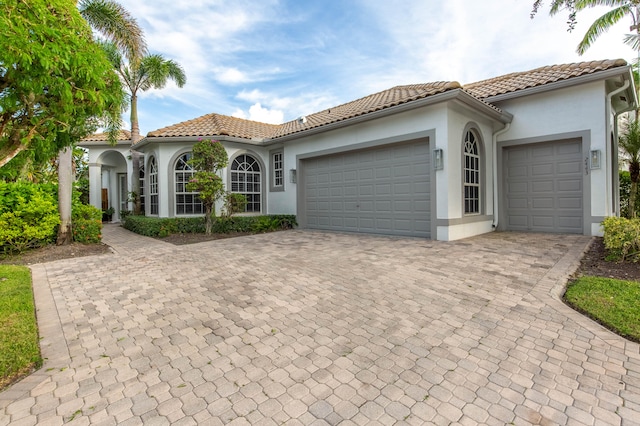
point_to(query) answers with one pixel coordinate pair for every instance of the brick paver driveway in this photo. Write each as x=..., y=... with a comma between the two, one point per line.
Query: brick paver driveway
x=321, y=328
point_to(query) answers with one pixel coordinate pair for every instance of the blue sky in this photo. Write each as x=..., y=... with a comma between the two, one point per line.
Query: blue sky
x=275, y=60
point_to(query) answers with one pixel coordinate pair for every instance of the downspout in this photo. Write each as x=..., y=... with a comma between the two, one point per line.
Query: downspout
x=615, y=189
x=505, y=129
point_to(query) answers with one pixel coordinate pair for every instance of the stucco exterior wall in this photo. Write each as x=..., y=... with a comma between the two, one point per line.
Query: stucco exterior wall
x=564, y=113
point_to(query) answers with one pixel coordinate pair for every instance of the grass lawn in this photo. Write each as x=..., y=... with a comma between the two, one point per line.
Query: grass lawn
x=613, y=303
x=19, y=349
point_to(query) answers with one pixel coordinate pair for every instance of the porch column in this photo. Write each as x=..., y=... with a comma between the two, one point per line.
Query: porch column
x=95, y=185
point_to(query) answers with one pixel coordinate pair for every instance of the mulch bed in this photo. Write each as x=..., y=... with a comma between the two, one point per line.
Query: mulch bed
x=594, y=264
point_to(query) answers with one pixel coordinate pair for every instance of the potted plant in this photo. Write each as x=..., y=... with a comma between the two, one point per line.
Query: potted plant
x=108, y=214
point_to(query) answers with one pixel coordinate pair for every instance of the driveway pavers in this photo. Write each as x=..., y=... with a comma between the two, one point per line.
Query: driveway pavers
x=303, y=327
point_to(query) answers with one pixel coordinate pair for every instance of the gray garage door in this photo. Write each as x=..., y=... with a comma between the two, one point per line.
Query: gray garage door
x=544, y=187
x=383, y=190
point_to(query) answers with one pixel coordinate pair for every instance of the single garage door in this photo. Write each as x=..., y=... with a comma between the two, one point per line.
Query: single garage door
x=544, y=187
x=383, y=190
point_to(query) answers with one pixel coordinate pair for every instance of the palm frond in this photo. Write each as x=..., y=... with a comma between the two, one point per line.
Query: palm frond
x=602, y=25
x=632, y=40
x=116, y=23
x=629, y=141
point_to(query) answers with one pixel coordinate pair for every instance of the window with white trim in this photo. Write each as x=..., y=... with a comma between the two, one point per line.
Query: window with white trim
x=471, y=174
x=187, y=202
x=153, y=186
x=246, y=180
x=278, y=169
x=141, y=188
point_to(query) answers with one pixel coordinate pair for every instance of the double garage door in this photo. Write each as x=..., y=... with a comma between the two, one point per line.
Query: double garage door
x=382, y=190
x=544, y=187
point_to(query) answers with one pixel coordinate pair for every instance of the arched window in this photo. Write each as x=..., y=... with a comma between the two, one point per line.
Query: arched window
x=246, y=180
x=153, y=186
x=472, y=154
x=186, y=202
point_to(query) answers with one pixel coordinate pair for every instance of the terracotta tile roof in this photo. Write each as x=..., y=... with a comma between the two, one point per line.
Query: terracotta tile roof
x=378, y=101
x=123, y=135
x=538, y=77
x=217, y=125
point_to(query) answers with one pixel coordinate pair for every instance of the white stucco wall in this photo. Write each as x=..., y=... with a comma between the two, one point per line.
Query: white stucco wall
x=560, y=113
x=402, y=125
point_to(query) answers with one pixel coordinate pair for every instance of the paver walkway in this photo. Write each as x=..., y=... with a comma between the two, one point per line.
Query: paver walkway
x=305, y=327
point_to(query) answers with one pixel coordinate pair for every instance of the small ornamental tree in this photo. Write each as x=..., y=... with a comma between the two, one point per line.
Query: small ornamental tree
x=208, y=158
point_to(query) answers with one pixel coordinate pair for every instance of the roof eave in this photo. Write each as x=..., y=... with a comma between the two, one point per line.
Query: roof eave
x=223, y=138
x=573, y=81
x=450, y=95
x=90, y=144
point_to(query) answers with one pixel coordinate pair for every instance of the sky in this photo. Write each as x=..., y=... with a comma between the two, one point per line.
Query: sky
x=276, y=60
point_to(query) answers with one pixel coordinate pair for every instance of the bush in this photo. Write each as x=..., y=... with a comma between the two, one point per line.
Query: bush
x=28, y=216
x=86, y=223
x=233, y=203
x=622, y=238
x=163, y=227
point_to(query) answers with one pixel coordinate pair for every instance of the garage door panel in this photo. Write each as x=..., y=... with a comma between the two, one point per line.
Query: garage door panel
x=541, y=151
x=380, y=190
x=543, y=203
x=570, y=148
x=571, y=186
x=543, y=221
x=542, y=170
x=570, y=203
x=544, y=187
x=570, y=168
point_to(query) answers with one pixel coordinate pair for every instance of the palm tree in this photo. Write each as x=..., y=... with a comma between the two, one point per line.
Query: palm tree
x=619, y=10
x=115, y=23
x=150, y=72
x=630, y=146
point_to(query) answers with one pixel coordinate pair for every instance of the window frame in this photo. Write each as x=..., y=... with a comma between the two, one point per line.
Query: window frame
x=273, y=182
x=154, y=196
x=472, y=173
x=254, y=195
x=181, y=182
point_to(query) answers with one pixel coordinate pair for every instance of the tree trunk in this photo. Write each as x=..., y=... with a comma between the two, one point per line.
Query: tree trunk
x=208, y=219
x=135, y=155
x=65, y=187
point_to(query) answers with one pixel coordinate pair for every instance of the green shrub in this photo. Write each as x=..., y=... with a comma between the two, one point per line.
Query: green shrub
x=622, y=238
x=233, y=203
x=86, y=223
x=189, y=225
x=28, y=216
x=149, y=226
x=162, y=227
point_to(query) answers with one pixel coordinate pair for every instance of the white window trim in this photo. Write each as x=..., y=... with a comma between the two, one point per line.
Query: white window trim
x=273, y=186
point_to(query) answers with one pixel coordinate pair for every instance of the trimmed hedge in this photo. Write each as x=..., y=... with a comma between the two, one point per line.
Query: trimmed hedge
x=163, y=227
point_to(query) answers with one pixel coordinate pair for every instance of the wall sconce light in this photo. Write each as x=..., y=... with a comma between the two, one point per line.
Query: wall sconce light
x=594, y=159
x=293, y=176
x=438, y=159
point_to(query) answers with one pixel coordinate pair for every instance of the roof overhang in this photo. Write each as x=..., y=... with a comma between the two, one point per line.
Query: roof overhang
x=458, y=95
x=222, y=138
x=105, y=144
x=624, y=72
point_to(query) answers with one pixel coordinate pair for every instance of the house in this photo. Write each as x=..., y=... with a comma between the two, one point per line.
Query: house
x=528, y=151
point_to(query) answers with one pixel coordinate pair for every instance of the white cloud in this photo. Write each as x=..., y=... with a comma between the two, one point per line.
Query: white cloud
x=258, y=113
